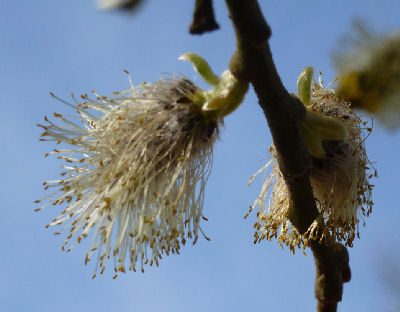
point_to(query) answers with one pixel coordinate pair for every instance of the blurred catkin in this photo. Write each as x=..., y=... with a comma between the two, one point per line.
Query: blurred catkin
x=368, y=67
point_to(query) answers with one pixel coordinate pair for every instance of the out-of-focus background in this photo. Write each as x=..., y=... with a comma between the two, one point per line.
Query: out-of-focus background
x=69, y=46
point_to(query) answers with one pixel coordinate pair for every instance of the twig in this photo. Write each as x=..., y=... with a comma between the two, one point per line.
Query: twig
x=252, y=61
x=203, y=18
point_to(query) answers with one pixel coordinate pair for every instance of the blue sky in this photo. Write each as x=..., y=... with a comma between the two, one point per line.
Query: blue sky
x=67, y=47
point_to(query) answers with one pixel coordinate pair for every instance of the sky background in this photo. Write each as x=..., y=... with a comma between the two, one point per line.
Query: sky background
x=68, y=46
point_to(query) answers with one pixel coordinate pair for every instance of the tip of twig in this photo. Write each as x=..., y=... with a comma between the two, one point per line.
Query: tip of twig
x=202, y=27
x=203, y=18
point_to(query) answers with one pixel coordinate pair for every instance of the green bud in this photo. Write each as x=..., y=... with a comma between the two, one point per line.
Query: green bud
x=202, y=67
x=316, y=127
x=227, y=96
x=304, y=85
x=228, y=93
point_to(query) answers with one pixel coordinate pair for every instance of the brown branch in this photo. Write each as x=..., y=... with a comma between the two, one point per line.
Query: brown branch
x=203, y=18
x=252, y=62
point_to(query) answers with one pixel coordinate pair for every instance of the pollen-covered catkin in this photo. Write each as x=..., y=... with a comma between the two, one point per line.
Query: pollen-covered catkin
x=135, y=171
x=340, y=182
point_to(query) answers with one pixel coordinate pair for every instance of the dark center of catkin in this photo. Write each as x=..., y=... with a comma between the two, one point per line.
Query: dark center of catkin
x=334, y=149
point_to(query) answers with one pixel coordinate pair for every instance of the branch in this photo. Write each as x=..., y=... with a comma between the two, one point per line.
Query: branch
x=252, y=62
x=203, y=18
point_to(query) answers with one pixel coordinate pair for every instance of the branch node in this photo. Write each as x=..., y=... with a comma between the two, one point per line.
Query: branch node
x=332, y=270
